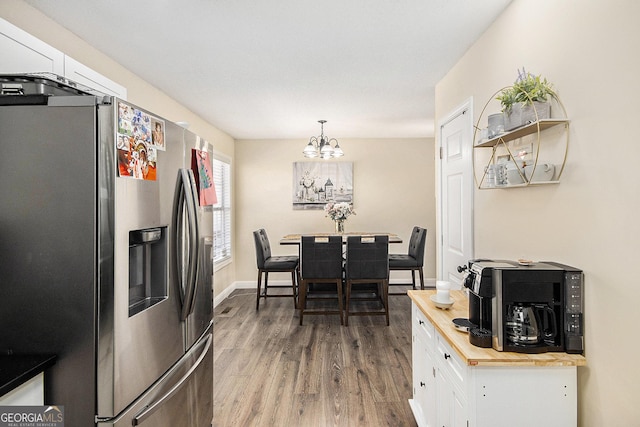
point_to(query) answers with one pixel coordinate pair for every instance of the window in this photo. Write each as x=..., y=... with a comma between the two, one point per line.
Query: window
x=222, y=211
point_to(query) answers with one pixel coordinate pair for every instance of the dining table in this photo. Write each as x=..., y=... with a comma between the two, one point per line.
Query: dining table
x=295, y=239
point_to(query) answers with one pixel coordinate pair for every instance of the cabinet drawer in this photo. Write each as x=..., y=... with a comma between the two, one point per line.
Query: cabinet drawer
x=423, y=328
x=451, y=362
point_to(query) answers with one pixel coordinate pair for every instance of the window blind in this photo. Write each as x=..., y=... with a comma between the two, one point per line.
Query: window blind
x=222, y=210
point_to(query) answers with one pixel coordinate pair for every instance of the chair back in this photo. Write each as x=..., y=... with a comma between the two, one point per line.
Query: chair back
x=263, y=248
x=321, y=257
x=367, y=257
x=417, y=243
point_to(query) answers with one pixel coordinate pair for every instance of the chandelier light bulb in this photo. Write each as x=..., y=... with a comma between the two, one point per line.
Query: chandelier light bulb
x=320, y=146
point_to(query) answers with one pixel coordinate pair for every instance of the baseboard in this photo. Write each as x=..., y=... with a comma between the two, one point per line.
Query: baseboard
x=251, y=284
x=235, y=285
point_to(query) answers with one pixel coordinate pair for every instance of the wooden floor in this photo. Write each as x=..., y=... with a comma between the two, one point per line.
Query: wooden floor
x=269, y=371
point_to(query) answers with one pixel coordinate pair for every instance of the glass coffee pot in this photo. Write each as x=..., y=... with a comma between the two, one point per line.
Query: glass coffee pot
x=525, y=324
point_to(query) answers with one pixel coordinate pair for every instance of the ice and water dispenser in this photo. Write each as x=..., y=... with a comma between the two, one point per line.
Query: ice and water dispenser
x=147, y=268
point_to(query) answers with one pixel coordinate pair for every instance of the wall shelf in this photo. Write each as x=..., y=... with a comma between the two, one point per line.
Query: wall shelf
x=516, y=158
x=522, y=131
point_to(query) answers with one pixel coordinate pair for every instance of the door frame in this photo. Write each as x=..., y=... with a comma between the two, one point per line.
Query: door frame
x=467, y=106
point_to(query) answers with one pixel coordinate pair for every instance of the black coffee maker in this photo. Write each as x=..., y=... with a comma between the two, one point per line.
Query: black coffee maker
x=531, y=308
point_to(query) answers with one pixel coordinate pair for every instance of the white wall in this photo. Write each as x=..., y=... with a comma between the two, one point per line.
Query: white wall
x=589, y=51
x=394, y=190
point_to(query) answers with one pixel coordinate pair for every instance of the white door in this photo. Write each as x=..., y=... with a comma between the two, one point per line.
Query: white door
x=456, y=193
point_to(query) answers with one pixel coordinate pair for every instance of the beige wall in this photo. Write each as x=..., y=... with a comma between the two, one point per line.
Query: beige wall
x=589, y=50
x=138, y=91
x=393, y=191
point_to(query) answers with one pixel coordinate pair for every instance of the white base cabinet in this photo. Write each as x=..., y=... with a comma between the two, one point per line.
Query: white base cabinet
x=448, y=392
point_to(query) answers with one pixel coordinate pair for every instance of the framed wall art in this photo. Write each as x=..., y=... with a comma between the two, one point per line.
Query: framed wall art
x=317, y=183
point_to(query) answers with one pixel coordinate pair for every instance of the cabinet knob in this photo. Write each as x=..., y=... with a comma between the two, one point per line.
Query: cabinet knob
x=422, y=384
x=420, y=322
x=446, y=356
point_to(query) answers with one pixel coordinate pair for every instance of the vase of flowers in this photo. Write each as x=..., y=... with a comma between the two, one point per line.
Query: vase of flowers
x=339, y=212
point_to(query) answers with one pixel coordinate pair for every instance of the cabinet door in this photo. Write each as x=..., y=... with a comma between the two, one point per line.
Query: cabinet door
x=451, y=382
x=74, y=70
x=444, y=398
x=23, y=53
x=459, y=414
x=452, y=406
x=424, y=382
x=419, y=378
x=429, y=389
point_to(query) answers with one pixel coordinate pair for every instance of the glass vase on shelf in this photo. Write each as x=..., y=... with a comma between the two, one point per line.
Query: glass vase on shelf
x=339, y=226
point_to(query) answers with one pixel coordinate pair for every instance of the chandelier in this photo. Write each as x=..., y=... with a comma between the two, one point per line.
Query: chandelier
x=320, y=146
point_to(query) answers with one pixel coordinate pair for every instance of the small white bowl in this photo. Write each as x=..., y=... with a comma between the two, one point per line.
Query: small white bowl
x=442, y=305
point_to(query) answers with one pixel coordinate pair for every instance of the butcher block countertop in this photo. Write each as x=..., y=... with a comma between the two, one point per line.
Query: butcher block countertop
x=478, y=356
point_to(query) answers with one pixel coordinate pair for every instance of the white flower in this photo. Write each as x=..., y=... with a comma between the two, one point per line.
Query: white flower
x=338, y=211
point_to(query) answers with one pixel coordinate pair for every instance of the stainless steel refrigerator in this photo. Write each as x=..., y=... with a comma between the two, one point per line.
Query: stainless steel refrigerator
x=105, y=255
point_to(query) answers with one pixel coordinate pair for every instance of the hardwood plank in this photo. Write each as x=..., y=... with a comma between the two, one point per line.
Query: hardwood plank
x=394, y=414
x=308, y=381
x=306, y=411
x=280, y=395
x=270, y=371
x=333, y=391
x=361, y=401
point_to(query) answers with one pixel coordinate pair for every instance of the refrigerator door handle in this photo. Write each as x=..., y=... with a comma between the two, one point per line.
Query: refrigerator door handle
x=194, y=229
x=184, y=198
x=151, y=408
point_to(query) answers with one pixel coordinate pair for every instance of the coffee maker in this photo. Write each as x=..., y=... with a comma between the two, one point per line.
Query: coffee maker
x=478, y=280
x=533, y=308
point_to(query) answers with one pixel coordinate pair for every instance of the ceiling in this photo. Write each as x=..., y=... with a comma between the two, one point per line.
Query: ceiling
x=265, y=69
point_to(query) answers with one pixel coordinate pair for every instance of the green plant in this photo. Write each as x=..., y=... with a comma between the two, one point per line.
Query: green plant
x=526, y=89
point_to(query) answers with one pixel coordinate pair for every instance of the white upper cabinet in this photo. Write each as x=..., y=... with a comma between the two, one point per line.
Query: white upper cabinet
x=24, y=53
x=80, y=73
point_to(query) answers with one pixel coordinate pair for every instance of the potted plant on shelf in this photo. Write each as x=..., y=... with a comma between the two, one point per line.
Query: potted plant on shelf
x=526, y=101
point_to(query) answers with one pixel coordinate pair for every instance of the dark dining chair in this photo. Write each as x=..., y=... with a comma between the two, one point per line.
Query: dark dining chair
x=413, y=260
x=274, y=264
x=367, y=264
x=321, y=264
